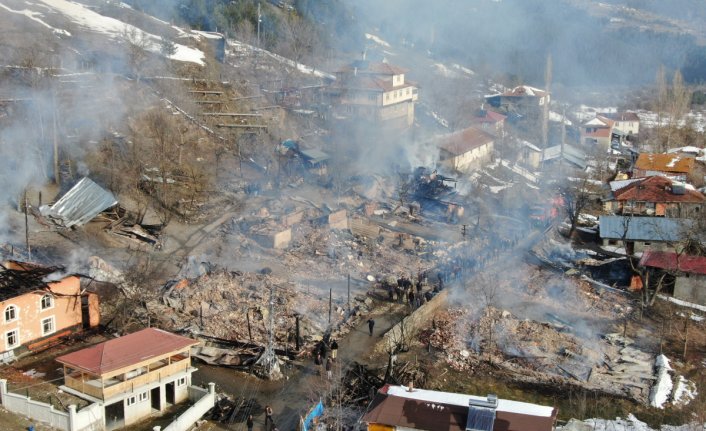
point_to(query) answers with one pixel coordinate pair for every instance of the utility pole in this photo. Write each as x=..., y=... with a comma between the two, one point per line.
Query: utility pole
x=57, y=180
x=330, y=303
x=545, y=106
x=349, y=293
x=29, y=249
x=563, y=137
x=259, y=20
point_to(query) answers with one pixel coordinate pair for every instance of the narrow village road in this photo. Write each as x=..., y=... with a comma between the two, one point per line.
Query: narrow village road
x=303, y=385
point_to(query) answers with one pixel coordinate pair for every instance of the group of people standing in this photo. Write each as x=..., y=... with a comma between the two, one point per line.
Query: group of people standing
x=325, y=355
x=412, y=292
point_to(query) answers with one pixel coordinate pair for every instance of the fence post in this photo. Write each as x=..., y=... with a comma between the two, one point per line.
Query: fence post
x=72, y=417
x=3, y=391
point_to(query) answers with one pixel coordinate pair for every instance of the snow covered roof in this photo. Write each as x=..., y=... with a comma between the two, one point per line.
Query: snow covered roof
x=664, y=162
x=619, y=184
x=689, y=149
x=463, y=400
x=525, y=90
x=596, y=122
x=395, y=406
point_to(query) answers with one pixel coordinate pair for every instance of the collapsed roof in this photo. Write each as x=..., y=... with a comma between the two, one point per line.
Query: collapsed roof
x=81, y=203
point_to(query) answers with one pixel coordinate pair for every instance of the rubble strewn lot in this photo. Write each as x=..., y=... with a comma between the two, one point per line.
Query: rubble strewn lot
x=543, y=327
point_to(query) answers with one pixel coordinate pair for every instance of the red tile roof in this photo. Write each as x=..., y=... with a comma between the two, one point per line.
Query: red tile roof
x=602, y=132
x=127, y=350
x=465, y=140
x=665, y=163
x=671, y=262
x=656, y=189
x=489, y=117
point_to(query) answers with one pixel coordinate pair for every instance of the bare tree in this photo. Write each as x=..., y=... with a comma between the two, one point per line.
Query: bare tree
x=299, y=40
x=671, y=106
x=136, y=42
x=576, y=199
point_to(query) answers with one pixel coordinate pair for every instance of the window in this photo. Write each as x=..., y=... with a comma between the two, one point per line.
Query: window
x=131, y=400
x=143, y=396
x=47, y=302
x=372, y=97
x=181, y=381
x=12, y=339
x=10, y=313
x=48, y=325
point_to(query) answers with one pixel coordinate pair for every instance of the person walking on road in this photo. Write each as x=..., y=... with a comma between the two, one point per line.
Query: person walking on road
x=269, y=423
x=371, y=325
x=329, y=368
x=334, y=349
x=249, y=423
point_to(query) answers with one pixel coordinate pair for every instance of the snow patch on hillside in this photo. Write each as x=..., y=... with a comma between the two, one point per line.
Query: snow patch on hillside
x=114, y=28
x=631, y=423
x=34, y=16
x=377, y=40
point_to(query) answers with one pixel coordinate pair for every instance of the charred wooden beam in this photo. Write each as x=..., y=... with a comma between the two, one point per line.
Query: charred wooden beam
x=228, y=114
x=242, y=126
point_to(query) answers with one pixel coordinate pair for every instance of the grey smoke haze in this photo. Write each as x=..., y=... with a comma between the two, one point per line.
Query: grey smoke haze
x=54, y=100
x=515, y=36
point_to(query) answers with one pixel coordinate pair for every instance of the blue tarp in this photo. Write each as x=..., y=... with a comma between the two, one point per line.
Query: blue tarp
x=317, y=411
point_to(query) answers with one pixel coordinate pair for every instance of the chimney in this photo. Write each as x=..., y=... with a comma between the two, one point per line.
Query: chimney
x=410, y=387
x=678, y=188
x=355, y=71
x=490, y=402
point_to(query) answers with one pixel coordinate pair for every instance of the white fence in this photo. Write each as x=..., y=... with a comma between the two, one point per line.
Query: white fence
x=88, y=419
x=194, y=413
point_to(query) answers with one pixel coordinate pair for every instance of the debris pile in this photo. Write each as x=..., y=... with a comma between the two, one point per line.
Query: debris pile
x=360, y=385
x=233, y=305
x=235, y=410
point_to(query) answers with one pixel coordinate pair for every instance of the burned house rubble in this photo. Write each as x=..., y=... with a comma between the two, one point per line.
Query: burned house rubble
x=341, y=250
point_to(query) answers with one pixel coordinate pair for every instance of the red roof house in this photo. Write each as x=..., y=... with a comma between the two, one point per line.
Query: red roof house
x=132, y=376
x=658, y=196
x=677, y=166
x=466, y=150
x=688, y=272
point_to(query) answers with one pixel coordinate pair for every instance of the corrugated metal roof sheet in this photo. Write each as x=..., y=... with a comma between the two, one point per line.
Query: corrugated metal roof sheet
x=671, y=261
x=82, y=203
x=570, y=154
x=643, y=228
x=315, y=156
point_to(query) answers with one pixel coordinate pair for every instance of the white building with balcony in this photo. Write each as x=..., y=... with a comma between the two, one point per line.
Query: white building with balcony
x=133, y=376
x=376, y=92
